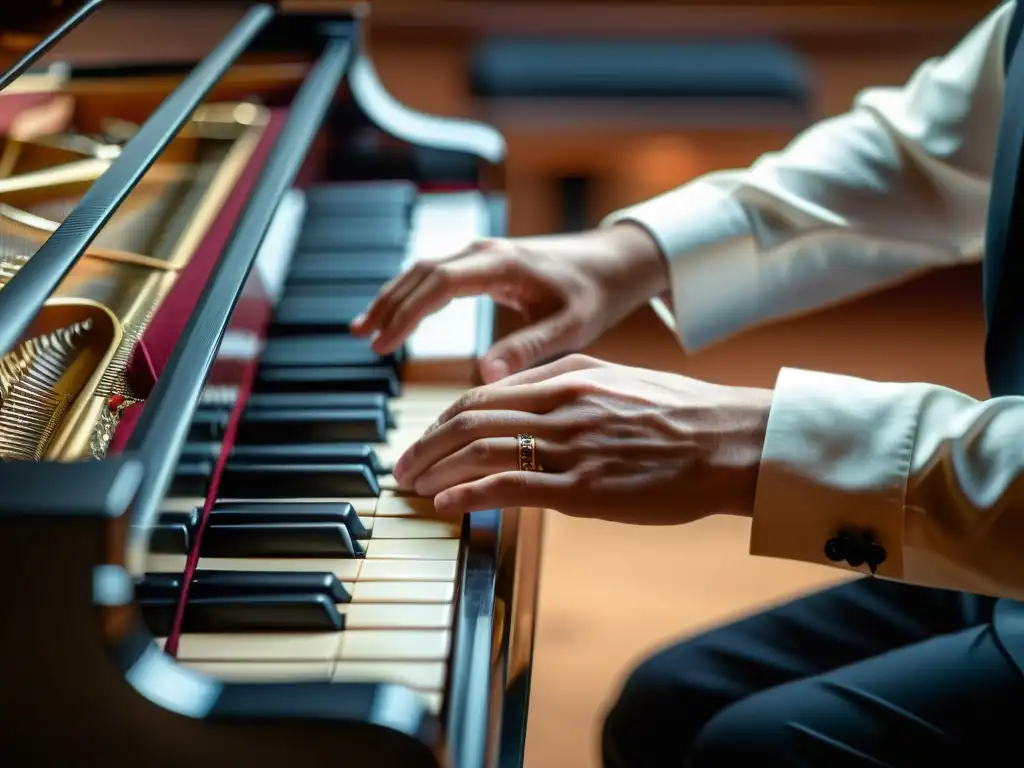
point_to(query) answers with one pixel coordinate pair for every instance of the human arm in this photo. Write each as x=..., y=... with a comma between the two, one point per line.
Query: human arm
x=932, y=477
x=896, y=186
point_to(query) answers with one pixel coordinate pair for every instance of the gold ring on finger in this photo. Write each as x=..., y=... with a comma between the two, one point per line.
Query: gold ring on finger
x=527, y=454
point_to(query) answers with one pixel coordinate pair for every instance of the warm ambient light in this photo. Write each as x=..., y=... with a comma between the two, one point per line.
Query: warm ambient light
x=659, y=163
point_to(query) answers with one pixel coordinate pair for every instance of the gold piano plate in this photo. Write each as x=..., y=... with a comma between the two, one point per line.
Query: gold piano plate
x=129, y=268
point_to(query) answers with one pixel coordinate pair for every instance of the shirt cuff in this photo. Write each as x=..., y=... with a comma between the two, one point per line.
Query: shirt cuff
x=836, y=457
x=705, y=235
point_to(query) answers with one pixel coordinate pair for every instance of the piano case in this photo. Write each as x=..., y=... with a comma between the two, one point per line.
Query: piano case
x=88, y=680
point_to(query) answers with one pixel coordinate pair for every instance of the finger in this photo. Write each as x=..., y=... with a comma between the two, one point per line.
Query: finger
x=563, y=365
x=471, y=276
x=542, y=397
x=508, y=489
x=460, y=431
x=390, y=296
x=528, y=346
x=480, y=459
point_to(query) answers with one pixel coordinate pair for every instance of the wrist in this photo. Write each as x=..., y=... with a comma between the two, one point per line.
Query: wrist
x=634, y=258
x=745, y=461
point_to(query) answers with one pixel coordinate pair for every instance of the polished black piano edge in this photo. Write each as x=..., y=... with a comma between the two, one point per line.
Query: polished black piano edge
x=24, y=64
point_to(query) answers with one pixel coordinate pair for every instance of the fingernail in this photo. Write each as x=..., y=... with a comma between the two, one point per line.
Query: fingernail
x=400, y=467
x=358, y=319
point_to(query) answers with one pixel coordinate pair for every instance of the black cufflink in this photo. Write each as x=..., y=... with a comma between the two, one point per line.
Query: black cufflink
x=855, y=548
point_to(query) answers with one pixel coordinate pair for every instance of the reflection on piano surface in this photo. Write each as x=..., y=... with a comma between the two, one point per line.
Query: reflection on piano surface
x=201, y=448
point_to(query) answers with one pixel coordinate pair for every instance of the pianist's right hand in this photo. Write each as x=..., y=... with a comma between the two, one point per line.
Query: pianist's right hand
x=570, y=289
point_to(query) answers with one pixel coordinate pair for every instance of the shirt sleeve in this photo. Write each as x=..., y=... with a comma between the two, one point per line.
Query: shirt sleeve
x=937, y=480
x=897, y=185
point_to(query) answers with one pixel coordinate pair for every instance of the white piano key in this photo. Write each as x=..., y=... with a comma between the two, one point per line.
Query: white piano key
x=401, y=591
x=396, y=616
x=424, y=675
x=256, y=646
x=384, y=645
x=443, y=224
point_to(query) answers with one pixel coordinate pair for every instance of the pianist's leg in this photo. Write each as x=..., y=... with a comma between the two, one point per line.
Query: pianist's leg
x=870, y=673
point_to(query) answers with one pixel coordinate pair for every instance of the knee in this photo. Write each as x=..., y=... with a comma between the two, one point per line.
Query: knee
x=661, y=708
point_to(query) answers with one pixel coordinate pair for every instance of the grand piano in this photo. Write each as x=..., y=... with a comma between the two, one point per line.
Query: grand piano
x=208, y=561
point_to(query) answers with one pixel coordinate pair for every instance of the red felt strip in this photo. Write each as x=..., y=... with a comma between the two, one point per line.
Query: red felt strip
x=192, y=562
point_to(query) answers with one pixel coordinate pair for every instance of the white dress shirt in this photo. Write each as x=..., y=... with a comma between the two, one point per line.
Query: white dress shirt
x=896, y=186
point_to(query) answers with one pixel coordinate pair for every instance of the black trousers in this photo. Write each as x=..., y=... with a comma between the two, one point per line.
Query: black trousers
x=870, y=673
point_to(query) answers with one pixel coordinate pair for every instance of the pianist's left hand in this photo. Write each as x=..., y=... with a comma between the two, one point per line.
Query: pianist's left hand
x=612, y=441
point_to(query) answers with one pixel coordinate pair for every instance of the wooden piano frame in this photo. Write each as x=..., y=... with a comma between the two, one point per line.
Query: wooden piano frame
x=83, y=676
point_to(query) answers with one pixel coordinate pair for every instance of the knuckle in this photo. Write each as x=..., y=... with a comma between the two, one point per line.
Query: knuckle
x=464, y=423
x=480, y=450
x=578, y=387
x=495, y=245
x=466, y=402
x=505, y=484
x=581, y=360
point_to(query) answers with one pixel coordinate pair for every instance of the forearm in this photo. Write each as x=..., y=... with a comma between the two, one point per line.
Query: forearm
x=930, y=474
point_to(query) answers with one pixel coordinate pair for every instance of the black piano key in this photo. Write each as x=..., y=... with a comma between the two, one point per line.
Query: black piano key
x=173, y=532
x=298, y=481
x=216, y=583
x=208, y=423
x=189, y=518
x=246, y=613
x=335, y=289
x=280, y=540
x=324, y=349
x=282, y=454
x=386, y=195
x=334, y=313
x=268, y=512
x=330, y=378
x=355, y=234
x=308, y=453
x=312, y=425
x=170, y=539
x=300, y=400
x=206, y=451
x=215, y=415
x=191, y=478
x=318, y=265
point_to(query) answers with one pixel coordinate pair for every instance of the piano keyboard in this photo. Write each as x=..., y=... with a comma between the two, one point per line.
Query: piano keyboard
x=312, y=566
